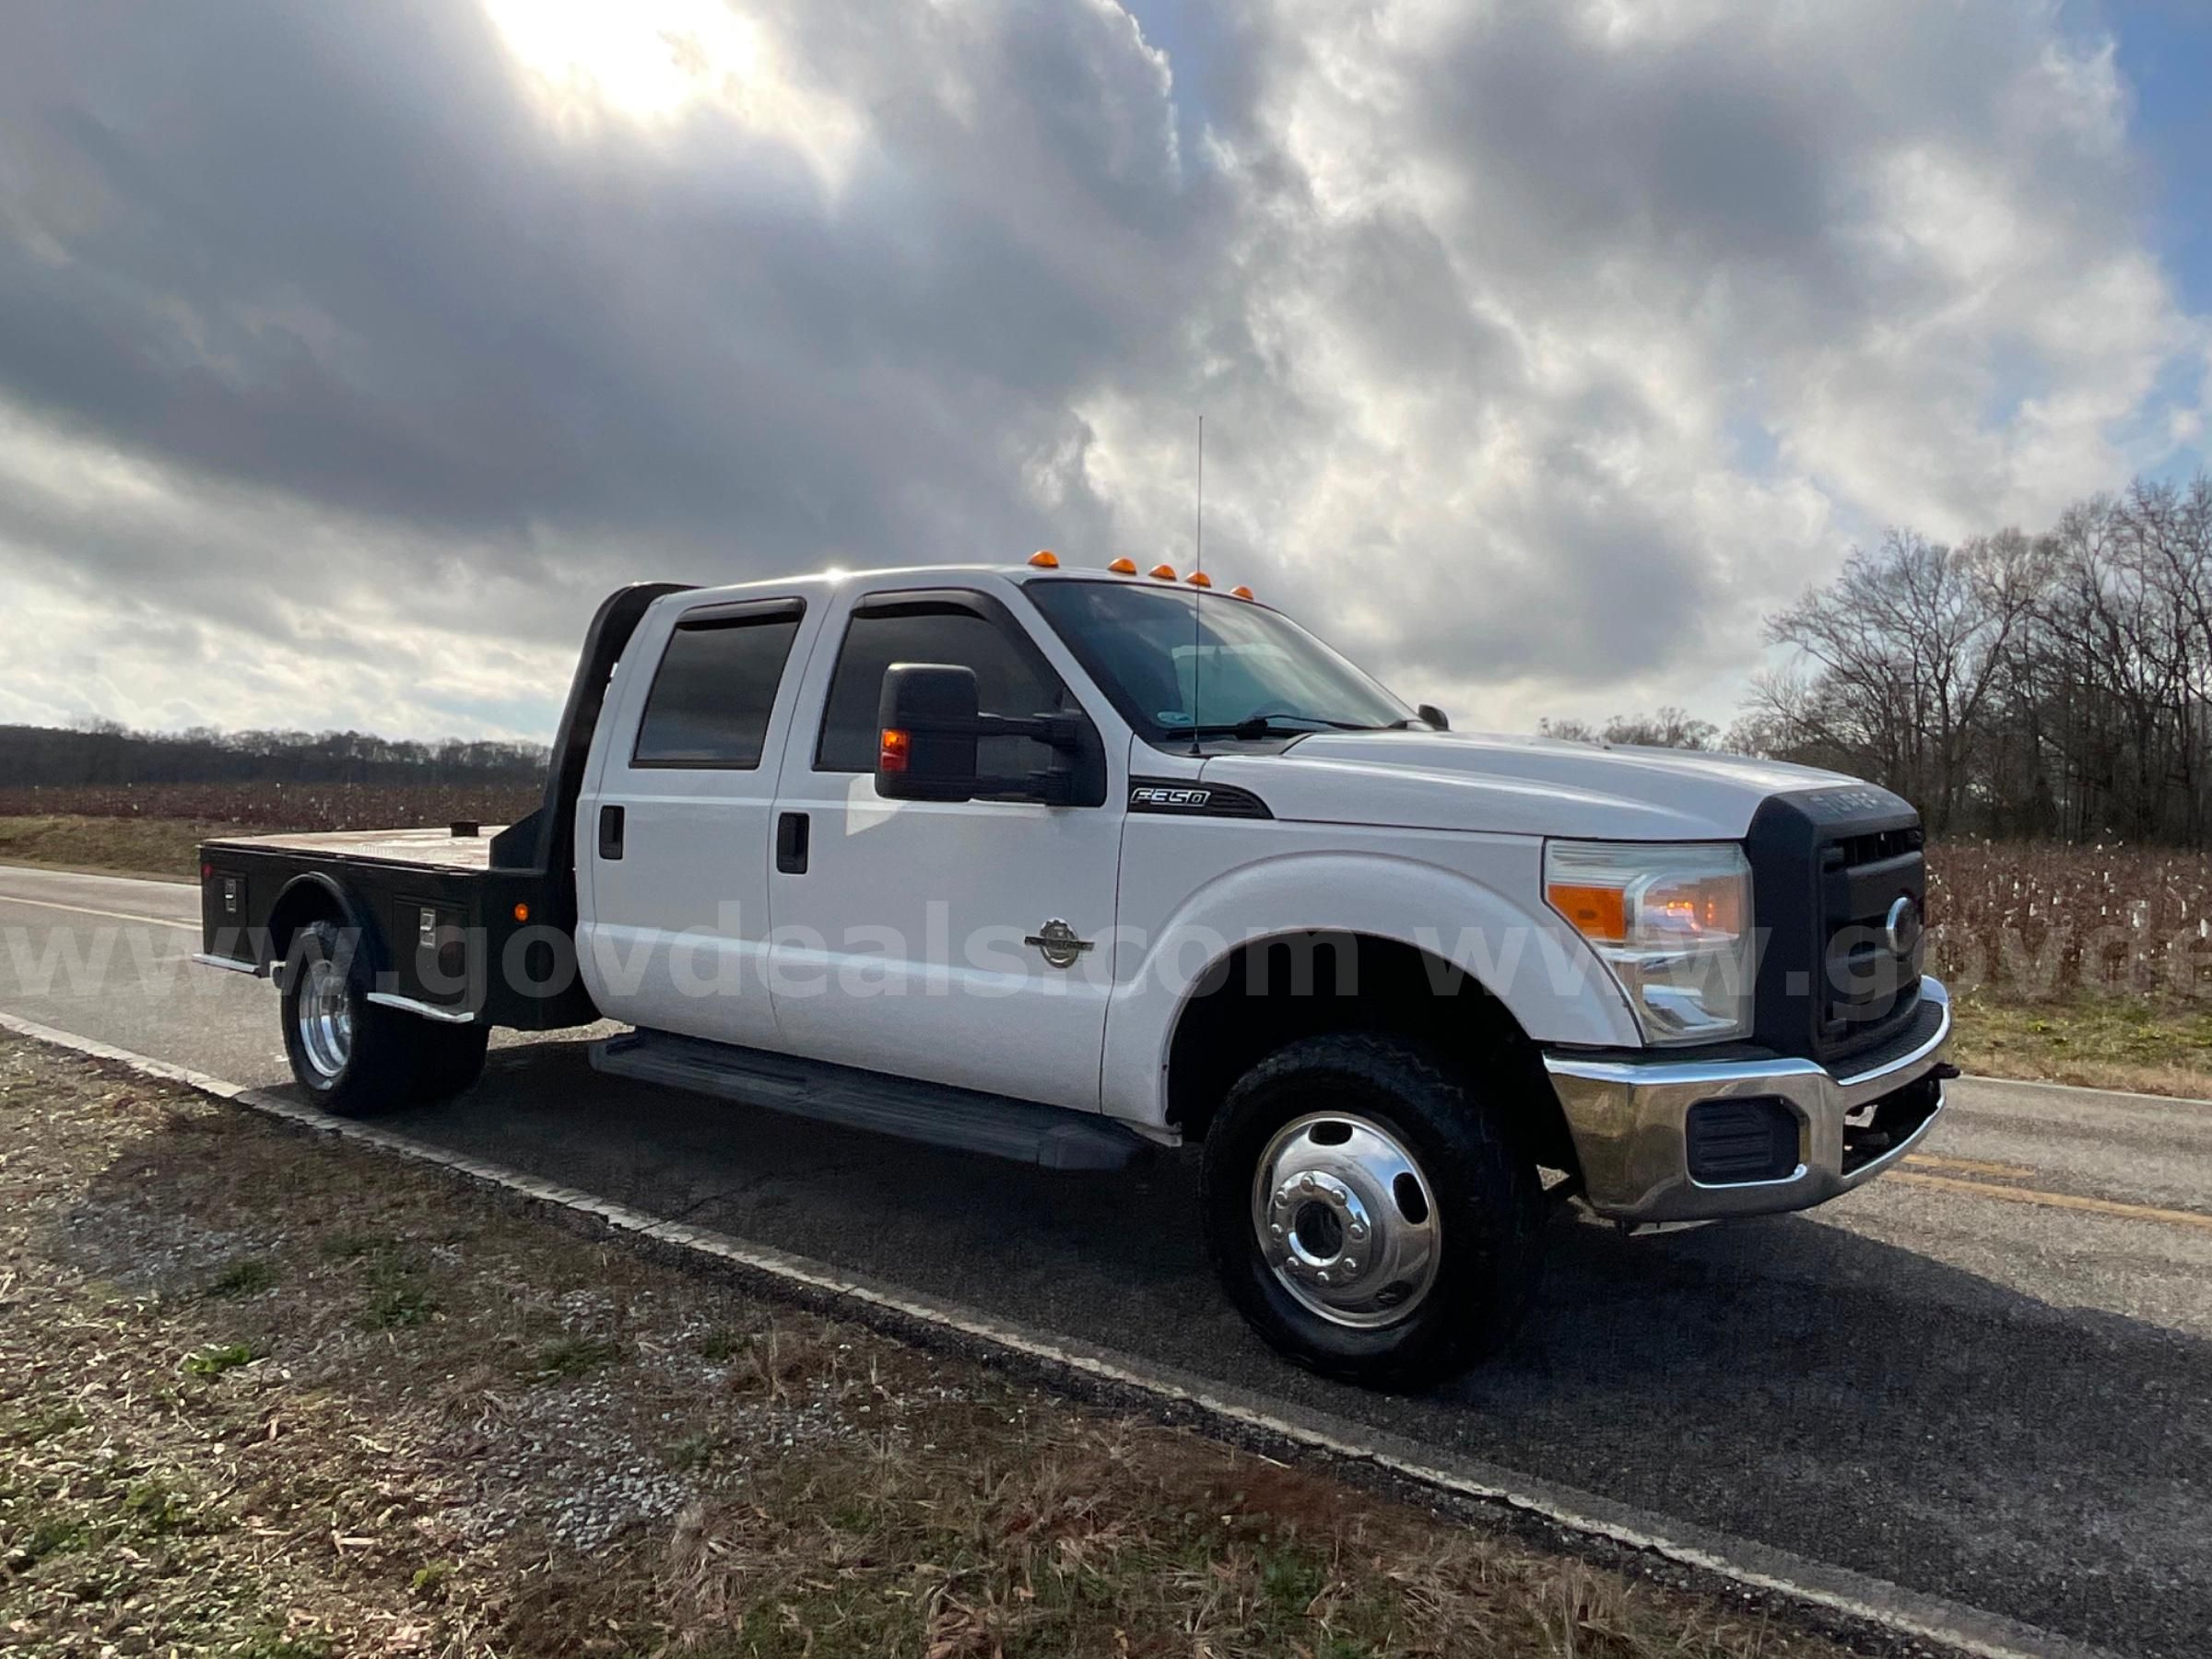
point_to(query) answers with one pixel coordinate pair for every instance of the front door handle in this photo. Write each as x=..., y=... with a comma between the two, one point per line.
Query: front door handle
x=792, y=835
x=610, y=831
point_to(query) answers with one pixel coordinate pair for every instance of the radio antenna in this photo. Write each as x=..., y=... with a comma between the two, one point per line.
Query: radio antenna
x=1198, y=589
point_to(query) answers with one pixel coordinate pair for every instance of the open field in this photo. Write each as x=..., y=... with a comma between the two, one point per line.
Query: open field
x=2075, y=964
x=153, y=829
x=268, y=1396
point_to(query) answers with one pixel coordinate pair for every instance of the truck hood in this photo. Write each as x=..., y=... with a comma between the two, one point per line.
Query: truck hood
x=1512, y=785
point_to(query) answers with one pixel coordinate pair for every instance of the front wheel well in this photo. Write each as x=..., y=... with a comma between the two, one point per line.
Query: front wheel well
x=1271, y=992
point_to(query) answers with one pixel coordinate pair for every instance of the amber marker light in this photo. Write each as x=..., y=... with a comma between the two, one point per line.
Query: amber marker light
x=890, y=756
x=1239, y=593
x=1599, y=913
x=1163, y=572
x=1199, y=578
x=522, y=913
x=1123, y=567
x=1044, y=559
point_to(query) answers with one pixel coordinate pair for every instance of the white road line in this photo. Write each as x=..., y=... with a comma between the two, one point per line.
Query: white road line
x=1756, y=1566
x=85, y=910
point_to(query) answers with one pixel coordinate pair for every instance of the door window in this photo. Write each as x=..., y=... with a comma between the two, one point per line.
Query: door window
x=1006, y=683
x=713, y=691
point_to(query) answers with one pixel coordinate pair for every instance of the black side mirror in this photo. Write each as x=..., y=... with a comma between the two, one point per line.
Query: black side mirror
x=927, y=726
x=1434, y=716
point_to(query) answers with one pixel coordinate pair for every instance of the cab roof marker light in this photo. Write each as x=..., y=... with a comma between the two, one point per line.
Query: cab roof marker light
x=1239, y=593
x=1044, y=559
x=1163, y=572
x=1123, y=567
x=1199, y=578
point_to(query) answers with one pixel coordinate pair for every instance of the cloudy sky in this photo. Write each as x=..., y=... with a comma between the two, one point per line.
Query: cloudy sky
x=349, y=353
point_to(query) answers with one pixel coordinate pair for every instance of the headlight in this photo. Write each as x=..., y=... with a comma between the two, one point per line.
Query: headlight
x=1671, y=923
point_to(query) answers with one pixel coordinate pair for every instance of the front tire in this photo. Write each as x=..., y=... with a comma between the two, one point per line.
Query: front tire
x=1368, y=1213
x=349, y=1056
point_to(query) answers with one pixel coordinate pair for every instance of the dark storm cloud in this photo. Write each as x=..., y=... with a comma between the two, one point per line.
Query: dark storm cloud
x=336, y=251
x=342, y=365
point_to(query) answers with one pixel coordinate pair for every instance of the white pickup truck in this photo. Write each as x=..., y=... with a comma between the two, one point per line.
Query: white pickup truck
x=1059, y=866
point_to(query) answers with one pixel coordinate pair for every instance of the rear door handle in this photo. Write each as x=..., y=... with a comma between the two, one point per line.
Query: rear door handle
x=792, y=835
x=610, y=831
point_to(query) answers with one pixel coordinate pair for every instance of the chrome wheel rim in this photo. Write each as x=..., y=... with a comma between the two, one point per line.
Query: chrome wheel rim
x=326, y=1019
x=1345, y=1220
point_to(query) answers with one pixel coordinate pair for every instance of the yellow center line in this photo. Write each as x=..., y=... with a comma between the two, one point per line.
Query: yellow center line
x=1968, y=1166
x=2095, y=1207
x=85, y=910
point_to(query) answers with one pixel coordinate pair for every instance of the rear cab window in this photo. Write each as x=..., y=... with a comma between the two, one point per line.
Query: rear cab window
x=715, y=687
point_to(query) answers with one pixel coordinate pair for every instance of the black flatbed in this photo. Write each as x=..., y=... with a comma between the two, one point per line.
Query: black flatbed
x=463, y=923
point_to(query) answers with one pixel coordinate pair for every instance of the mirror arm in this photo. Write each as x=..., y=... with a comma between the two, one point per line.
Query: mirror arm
x=1062, y=732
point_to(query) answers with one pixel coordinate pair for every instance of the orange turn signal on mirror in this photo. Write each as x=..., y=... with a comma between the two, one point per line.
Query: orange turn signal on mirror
x=1044, y=559
x=1598, y=913
x=1163, y=572
x=1123, y=567
x=890, y=753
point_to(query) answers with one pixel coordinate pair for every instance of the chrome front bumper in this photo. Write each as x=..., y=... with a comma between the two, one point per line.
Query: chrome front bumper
x=1629, y=1122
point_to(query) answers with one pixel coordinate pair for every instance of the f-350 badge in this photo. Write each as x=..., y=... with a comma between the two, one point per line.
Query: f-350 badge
x=1056, y=940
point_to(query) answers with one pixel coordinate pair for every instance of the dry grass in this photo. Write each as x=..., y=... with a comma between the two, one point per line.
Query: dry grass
x=266, y=1396
x=166, y=849
x=2139, y=1045
x=280, y=806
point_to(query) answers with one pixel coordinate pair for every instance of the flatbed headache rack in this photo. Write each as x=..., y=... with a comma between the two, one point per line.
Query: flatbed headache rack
x=459, y=924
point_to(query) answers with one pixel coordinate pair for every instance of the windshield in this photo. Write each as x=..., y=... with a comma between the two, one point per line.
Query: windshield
x=1238, y=664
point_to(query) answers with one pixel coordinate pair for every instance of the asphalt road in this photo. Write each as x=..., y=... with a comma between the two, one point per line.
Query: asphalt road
x=1987, y=1377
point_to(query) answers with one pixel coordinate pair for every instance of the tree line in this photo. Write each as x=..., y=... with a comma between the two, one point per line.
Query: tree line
x=102, y=752
x=2013, y=685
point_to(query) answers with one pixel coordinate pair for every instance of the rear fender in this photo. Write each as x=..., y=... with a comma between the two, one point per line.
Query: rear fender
x=314, y=896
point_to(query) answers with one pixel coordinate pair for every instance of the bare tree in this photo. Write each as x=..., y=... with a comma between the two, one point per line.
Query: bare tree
x=2017, y=684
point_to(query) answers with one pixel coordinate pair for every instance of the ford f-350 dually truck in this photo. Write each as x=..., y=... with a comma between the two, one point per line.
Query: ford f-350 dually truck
x=1059, y=866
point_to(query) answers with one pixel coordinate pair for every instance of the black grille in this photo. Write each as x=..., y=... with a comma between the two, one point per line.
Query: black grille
x=1874, y=846
x=1829, y=867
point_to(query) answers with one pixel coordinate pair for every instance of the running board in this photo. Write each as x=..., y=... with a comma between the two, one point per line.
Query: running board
x=931, y=1112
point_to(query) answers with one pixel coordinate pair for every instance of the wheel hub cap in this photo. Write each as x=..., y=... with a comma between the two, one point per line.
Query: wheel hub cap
x=326, y=1019
x=1345, y=1220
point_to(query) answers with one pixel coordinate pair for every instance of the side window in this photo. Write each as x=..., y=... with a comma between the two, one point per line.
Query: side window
x=1005, y=684
x=712, y=691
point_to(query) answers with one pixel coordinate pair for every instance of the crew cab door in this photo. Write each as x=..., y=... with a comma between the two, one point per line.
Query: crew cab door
x=961, y=942
x=674, y=833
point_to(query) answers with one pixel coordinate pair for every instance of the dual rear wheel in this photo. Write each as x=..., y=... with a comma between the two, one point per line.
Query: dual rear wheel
x=354, y=1057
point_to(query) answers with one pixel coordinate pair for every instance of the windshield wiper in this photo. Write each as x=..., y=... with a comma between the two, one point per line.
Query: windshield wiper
x=1271, y=726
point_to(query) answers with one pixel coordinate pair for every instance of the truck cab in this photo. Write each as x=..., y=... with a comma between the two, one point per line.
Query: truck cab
x=1071, y=865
